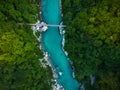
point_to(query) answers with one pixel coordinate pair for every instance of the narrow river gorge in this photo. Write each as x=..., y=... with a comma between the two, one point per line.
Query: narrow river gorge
x=52, y=44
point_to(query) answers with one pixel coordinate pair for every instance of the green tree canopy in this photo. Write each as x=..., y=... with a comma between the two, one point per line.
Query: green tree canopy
x=92, y=40
x=20, y=67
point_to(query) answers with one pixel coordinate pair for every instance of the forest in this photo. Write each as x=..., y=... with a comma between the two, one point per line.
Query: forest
x=93, y=41
x=20, y=68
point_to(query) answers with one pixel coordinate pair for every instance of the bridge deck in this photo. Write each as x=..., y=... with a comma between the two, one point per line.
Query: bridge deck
x=43, y=24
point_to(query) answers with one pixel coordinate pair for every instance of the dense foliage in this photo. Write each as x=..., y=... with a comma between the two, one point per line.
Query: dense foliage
x=93, y=41
x=19, y=50
x=19, y=10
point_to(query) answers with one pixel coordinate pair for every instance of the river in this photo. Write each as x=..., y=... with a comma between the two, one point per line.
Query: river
x=52, y=43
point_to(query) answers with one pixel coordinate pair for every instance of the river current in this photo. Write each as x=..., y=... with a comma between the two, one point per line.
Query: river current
x=52, y=43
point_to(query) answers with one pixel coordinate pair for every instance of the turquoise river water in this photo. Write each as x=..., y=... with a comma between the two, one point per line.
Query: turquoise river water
x=52, y=43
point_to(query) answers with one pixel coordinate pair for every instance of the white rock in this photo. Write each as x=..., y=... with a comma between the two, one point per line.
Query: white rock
x=60, y=73
x=44, y=28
